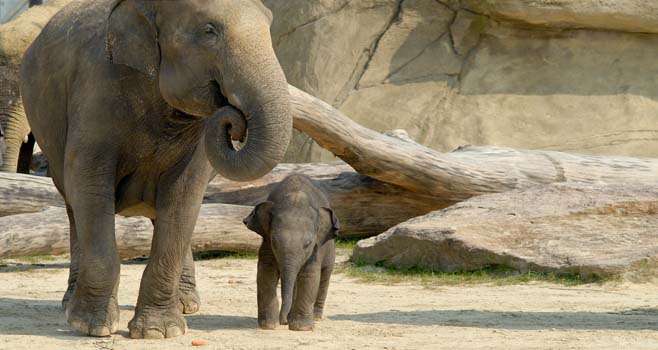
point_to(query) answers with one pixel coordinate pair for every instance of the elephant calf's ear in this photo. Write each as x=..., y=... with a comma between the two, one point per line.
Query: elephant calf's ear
x=334, y=226
x=259, y=219
x=131, y=37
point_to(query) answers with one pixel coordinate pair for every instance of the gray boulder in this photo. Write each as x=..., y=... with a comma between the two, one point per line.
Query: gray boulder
x=563, y=228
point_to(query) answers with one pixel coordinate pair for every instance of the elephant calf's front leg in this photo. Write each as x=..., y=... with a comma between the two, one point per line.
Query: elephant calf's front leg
x=306, y=291
x=267, y=280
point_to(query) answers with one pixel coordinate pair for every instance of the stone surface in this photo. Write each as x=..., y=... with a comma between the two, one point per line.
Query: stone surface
x=523, y=74
x=586, y=230
x=620, y=15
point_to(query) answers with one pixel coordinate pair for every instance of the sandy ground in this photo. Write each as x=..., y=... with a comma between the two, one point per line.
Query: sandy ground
x=358, y=315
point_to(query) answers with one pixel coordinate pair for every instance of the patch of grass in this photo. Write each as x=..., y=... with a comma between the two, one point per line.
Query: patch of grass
x=33, y=259
x=220, y=254
x=496, y=275
x=346, y=243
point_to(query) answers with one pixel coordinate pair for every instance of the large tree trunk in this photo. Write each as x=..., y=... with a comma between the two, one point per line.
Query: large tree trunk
x=463, y=173
x=219, y=227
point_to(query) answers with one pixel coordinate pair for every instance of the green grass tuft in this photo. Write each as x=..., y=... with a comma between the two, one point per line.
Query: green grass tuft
x=496, y=275
x=219, y=254
x=346, y=243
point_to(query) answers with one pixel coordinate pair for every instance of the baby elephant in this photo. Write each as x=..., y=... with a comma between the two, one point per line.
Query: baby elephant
x=298, y=228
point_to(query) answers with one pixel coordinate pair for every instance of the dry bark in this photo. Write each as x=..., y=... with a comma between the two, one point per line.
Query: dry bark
x=20, y=193
x=219, y=227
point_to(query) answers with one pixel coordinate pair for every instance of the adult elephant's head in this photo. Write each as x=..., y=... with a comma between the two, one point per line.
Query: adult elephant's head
x=212, y=59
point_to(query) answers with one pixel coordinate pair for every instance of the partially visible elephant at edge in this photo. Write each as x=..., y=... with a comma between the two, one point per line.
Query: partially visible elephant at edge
x=15, y=37
x=298, y=228
x=136, y=104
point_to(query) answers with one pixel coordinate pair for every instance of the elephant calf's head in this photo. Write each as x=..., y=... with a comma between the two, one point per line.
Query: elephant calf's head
x=212, y=58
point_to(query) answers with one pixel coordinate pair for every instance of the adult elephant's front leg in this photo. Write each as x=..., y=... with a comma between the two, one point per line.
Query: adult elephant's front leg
x=158, y=313
x=92, y=306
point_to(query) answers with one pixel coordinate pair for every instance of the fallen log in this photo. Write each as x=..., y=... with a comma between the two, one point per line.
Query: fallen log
x=365, y=206
x=20, y=193
x=463, y=173
x=219, y=227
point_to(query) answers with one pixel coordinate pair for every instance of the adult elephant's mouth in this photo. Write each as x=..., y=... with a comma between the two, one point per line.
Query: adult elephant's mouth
x=218, y=98
x=230, y=117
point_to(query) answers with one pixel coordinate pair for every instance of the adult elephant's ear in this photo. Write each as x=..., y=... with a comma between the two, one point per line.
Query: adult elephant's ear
x=131, y=37
x=260, y=218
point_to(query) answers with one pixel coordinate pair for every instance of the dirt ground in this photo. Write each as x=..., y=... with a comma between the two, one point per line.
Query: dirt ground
x=358, y=315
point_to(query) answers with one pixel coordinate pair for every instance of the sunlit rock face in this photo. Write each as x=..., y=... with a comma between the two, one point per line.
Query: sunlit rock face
x=577, y=76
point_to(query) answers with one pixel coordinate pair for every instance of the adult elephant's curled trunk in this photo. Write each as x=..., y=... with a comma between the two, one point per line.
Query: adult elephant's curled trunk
x=261, y=119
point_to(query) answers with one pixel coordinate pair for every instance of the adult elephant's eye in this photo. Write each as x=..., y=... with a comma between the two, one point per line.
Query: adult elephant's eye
x=210, y=29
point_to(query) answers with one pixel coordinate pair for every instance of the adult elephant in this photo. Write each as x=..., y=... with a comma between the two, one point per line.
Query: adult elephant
x=132, y=101
x=15, y=37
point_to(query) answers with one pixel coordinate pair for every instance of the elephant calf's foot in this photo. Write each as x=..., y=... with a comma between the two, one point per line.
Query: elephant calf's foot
x=157, y=324
x=93, y=316
x=190, y=301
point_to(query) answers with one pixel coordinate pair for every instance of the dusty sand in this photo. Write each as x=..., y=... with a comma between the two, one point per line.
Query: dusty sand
x=358, y=315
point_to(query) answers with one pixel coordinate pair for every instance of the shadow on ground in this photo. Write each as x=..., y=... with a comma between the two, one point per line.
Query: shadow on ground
x=23, y=316
x=640, y=319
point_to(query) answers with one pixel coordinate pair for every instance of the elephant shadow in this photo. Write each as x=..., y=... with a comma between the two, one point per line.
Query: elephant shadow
x=635, y=319
x=46, y=318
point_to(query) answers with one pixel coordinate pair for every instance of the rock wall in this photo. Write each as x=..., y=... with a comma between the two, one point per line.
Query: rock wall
x=568, y=75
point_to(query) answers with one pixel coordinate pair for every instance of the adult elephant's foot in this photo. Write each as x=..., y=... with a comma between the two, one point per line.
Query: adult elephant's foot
x=190, y=300
x=300, y=323
x=151, y=323
x=67, y=296
x=317, y=315
x=96, y=316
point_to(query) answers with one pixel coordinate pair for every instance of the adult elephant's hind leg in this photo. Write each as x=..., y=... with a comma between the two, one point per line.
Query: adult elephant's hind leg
x=93, y=308
x=189, y=296
x=158, y=313
x=74, y=266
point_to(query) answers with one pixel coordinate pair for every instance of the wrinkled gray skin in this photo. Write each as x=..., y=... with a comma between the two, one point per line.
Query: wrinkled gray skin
x=132, y=101
x=13, y=123
x=298, y=229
